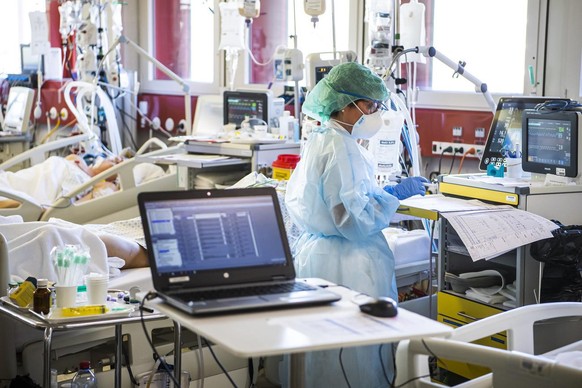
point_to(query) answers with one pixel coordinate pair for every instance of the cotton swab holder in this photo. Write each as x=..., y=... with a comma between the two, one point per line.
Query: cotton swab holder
x=70, y=263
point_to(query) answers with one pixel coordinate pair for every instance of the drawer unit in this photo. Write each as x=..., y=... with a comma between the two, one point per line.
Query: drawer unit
x=457, y=311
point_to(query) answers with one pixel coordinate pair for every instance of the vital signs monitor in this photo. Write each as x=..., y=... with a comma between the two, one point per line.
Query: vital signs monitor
x=552, y=142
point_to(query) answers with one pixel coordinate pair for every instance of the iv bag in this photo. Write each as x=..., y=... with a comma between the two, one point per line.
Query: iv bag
x=412, y=29
x=385, y=147
x=232, y=28
x=314, y=8
x=250, y=9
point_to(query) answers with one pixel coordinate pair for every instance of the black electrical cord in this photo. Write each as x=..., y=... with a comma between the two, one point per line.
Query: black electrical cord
x=382, y=364
x=128, y=366
x=251, y=367
x=150, y=296
x=557, y=106
x=219, y=363
x=343, y=369
x=448, y=149
x=418, y=377
x=126, y=127
x=393, y=365
x=453, y=161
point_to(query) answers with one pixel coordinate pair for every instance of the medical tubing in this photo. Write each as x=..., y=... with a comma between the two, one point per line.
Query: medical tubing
x=82, y=89
x=152, y=373
x=412, y=133
x=231, y=65
x=333, y=27
x=81, y=118
x=248, y=50
x=412, y=94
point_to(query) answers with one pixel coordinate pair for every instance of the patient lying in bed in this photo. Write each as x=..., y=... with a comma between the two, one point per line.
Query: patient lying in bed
x=111, y=247
x=57, y=176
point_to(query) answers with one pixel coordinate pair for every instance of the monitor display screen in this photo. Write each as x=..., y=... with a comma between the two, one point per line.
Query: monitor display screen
x=18, y=109
x=551, y=143
x=29, y=61
x=241, y=104
x=505, y=132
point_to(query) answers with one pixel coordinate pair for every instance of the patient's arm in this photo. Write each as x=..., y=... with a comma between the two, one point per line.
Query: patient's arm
x=100, y=189
x=135, y=255
x=9, y=204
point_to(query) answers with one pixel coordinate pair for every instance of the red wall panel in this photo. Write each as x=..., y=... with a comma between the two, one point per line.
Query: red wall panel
x=437, y=125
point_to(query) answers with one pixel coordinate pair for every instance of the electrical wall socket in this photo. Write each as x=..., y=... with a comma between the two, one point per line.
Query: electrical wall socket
x=439, y=146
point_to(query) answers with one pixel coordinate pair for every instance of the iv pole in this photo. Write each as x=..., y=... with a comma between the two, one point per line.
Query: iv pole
x=166, y=71
x=459, y=68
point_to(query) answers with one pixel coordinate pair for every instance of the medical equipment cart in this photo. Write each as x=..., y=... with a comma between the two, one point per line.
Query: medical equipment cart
x=456, y=309
x=7, y=309
x=252, y=156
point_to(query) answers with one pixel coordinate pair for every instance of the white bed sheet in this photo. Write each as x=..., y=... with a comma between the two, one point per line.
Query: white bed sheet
x=133, y=277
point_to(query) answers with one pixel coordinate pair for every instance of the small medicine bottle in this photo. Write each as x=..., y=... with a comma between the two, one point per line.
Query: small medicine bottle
x=22, y=296
x=41, y=301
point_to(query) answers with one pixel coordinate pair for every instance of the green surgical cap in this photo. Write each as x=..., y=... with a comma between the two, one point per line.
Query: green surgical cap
x=332, y=93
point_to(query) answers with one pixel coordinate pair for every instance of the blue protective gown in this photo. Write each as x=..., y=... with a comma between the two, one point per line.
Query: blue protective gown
x=333, y=196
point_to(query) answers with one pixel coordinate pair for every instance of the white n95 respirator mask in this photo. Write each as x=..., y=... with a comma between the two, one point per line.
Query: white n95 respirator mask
x=367, y=125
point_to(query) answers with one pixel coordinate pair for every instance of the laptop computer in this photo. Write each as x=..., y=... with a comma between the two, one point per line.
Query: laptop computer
x=219, y=251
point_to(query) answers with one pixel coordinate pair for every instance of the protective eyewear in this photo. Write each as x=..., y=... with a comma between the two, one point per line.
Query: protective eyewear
x=376, y=105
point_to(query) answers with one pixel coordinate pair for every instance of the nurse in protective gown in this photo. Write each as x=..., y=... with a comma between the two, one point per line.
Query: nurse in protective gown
x=333, y=197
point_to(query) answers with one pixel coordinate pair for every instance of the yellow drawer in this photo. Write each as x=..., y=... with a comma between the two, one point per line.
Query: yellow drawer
x=456, y=311
x=462, y=309
x=498, y=340
x=478, y=193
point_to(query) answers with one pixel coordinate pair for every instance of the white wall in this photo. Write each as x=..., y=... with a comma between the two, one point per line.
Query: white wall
x=563, y=49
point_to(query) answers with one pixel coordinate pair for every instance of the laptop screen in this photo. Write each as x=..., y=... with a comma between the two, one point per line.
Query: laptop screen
x=202, y=234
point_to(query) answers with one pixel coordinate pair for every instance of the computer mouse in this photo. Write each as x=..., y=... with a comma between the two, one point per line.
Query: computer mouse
x=382, y=307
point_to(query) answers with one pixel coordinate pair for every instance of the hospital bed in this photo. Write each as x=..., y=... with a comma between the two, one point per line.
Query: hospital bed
x=40, y=152
x=121, y=204
x=29, y=209
x=518, y=366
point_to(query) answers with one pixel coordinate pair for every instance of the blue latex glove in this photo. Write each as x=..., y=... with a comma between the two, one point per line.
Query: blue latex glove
x=408, y=187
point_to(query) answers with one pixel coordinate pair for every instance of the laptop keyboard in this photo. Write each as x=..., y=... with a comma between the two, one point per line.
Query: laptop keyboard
x=245, y=291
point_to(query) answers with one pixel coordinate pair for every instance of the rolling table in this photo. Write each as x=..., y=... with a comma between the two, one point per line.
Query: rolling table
x=24, y=316
x=299, y=330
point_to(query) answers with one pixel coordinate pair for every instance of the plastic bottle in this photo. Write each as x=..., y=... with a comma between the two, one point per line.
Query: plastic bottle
x=314, y=8
x=286, y=125
x=84, y=378
x=41, y=300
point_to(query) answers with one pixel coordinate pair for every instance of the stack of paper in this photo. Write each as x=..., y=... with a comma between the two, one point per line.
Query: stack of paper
x=486, y=230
